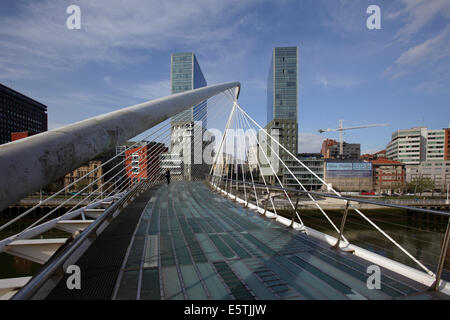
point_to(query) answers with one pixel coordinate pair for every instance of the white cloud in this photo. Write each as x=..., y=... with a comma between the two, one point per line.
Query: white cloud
x=35, y=44
x=309, y=142
x=435, y=48
x=417, y=14
x=107, y=79
x=37, y=39
x=428, y=44
x=337, y=81
x=422, y=56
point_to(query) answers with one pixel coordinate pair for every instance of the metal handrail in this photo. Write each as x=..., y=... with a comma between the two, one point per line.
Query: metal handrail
x=328, y=195
x=39, y=229
x=31, y=288
x=445, y=242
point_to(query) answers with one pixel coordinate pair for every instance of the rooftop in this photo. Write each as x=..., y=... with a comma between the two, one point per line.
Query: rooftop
x=385, y=161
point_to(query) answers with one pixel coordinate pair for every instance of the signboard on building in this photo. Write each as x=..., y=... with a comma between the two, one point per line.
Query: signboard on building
x=367, y=166
x=339, y=166
x=349, y=169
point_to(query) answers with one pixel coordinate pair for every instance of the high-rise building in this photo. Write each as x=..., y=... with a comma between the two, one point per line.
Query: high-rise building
x=282, y=104
x=415, y=145
x=19, y=113
x=435, y=145
x=408, y=146
x=282, y=96
x=425, y=153
x=186, y=74
x=282, y=100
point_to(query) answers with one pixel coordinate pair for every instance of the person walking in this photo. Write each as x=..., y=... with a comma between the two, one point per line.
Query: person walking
x=168, y=176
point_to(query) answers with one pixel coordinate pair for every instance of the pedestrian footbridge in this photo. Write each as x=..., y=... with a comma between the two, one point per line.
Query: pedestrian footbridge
x=187, y=242
x=214, y=232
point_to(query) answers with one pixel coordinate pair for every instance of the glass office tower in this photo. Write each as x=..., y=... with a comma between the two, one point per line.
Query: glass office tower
x=186, y=148
x=282, y=102
x=186, y=74
x=282, y=85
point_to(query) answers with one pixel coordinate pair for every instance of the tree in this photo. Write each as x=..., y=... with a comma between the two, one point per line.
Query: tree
x=397, y=186
x=420, y=184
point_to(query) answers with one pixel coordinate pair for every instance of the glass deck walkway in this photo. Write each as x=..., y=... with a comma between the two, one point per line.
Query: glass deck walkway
x=190, y=243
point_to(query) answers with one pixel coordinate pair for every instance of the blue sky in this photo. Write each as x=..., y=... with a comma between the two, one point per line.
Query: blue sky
x=121, y=56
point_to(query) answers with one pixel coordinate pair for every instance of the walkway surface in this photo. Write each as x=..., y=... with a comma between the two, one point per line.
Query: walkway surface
x=190, y=243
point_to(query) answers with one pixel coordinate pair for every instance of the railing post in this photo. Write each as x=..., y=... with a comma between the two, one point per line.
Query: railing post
x=220, y=185
x=245, y=192
x=293, y=214
x=267, y=201
x=273, y=206
x=435, y=285
x=341, y=230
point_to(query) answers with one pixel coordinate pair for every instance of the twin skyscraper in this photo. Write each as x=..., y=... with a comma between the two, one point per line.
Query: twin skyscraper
x=282, y=104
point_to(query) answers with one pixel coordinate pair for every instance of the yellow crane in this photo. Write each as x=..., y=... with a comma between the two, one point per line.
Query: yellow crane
x=341, y=129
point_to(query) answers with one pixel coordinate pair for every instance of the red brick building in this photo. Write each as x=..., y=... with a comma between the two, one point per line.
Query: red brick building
x=143, y=162
x=20, y=135
x=447, y=144
x=388, y=175
x=326, y=144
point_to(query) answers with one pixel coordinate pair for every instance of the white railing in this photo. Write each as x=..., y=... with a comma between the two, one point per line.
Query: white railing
x=226, y=177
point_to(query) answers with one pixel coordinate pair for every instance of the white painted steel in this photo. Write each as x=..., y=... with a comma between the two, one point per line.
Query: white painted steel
x=9, y=287
x=71, y=226
x=397, y=267
x=335, y=192
x=30, y=164
x=36, y=250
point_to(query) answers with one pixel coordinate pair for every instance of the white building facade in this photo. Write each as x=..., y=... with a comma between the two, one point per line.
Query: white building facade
x=408, y=146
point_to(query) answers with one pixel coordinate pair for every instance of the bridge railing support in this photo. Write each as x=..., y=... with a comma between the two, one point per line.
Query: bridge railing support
x=442, y=258
x=42, y=283
x=294, y=213
x=341, y=229
x=263, y=206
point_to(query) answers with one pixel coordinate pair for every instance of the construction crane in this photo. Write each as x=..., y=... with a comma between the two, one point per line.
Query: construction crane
x=341, y=129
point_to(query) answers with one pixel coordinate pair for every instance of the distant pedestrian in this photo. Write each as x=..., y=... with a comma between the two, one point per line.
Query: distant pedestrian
x=168, y=176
